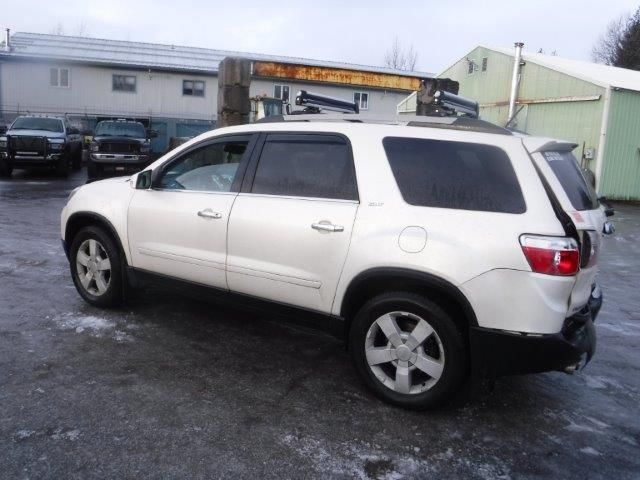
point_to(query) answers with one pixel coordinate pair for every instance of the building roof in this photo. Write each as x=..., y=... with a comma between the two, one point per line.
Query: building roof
x=154, y=55
x=596, y=73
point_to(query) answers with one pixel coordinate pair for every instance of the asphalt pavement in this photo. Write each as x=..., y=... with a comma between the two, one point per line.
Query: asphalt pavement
x=169, y=387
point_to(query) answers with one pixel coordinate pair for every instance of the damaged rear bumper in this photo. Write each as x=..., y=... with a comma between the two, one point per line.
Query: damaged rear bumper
x=497, y=352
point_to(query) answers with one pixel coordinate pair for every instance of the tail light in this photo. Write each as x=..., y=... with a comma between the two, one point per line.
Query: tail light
x=551, y=255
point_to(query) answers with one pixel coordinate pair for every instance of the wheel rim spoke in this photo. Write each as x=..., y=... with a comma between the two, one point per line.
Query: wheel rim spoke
x=85, y=279
x=93, y=248
x=378, y=355
x=430, y=366
x=101, y=285
x=390, y=329
x=403, y=378
x=104, y=264
x=419, y=334
x=82, y=258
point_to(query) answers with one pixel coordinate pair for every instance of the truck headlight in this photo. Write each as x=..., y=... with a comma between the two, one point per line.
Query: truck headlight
x=3, y=143
x=56, y=145
x=94, y=147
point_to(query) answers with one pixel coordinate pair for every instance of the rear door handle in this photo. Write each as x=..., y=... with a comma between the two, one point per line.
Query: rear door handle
x=327, y=227
x=208, y=213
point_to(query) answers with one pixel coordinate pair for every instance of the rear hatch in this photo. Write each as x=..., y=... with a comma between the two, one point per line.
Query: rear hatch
x=577, y=199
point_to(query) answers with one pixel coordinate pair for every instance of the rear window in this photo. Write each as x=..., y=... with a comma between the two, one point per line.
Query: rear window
x=565, y=166
x=460, y=175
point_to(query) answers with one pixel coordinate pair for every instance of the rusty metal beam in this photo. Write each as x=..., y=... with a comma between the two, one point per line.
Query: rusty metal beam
x=532, y=101
x=335, y=75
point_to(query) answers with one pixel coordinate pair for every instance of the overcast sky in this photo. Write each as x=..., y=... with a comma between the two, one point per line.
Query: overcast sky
x=355, y=31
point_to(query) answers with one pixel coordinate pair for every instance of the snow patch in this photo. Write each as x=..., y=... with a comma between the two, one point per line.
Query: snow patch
x=591, y=451
x=23, y=435
x=61, y=434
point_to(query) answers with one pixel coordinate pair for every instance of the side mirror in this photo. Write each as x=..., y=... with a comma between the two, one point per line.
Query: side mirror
x=143, y=182
x=152, y=133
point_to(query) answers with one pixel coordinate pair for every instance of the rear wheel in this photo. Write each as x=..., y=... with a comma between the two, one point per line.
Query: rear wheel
x=408, y=350
x=77, y=159
x=96, y=267
x=64, y=165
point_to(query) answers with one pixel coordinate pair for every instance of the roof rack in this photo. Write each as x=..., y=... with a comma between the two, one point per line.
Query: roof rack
x=315, y=103
x=451, y=123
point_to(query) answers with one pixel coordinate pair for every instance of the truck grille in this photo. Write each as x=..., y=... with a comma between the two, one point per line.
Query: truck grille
x=112, y=147
x=32, y=145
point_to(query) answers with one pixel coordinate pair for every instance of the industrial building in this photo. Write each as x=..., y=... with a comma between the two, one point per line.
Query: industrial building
x=595, y=106
x=172, y=89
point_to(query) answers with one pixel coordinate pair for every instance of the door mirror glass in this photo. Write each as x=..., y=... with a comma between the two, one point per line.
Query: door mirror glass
x=152, y=133
x=143, y=182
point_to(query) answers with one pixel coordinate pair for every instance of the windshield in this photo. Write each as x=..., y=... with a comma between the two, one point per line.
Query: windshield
x=580, y=192
x=38, y=123
x=120, y=129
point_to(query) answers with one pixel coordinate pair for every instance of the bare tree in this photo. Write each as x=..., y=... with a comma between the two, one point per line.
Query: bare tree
x=606, y=48
x=400, y=58
x=58, y=29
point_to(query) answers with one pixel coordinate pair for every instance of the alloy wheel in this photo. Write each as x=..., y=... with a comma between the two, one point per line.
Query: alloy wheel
x=93, y=267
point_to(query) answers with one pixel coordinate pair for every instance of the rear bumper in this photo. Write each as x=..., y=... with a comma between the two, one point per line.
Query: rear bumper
x=497, y=352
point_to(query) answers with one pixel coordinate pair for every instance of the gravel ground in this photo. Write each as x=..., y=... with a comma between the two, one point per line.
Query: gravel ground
x=168, y=387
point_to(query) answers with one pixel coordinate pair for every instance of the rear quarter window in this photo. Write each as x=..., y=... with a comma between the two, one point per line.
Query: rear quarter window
x=565, y=167
x=459, y=175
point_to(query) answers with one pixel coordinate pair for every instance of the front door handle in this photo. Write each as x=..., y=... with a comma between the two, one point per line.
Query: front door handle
x=325, y=226
x=208, y=213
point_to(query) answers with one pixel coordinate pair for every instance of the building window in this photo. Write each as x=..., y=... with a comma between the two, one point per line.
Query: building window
x=485, y=60
x=472, y=66
x=194, y=88
x=281, y=92
x=124, y=83
x=361, y=99
x=59, y=77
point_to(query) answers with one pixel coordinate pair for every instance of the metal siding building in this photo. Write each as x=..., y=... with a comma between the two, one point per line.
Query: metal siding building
x=595, y=106
x=159, y=72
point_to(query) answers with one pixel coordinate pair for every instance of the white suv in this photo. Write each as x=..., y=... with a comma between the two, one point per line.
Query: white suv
x=436, y=247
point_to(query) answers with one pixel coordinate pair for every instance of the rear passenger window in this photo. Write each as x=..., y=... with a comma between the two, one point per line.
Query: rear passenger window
x=460, y=175
x=319, y=166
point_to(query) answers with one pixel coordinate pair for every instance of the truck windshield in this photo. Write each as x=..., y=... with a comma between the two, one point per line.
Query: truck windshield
x=38, y=123
x=120, y=129
x=580, y=192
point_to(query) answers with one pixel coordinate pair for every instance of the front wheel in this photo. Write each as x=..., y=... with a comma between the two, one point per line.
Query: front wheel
x=6, y=169
x=96, y=267
x=408, y=350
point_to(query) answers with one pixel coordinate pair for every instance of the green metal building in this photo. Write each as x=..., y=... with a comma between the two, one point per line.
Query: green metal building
x=595, y=106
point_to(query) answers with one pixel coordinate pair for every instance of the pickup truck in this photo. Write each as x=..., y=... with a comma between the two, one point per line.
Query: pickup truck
x=38, y=141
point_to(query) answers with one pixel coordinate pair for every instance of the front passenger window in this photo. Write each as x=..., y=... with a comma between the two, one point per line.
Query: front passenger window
x=211, y=168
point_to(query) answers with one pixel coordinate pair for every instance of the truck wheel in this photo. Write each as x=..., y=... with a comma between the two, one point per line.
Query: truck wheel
x=77, y=159
x=96, y=267
x=63, y=167
x=6, y=169
x=92, y=171
x=408, y=350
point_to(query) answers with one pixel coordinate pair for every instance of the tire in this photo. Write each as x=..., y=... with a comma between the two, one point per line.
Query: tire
x=77, y=159
x=63, y=166
x=92, y=171
x=103, y=283
x=6, y=169
x=399, y=375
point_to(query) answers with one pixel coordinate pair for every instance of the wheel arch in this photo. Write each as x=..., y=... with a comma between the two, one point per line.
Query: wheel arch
x=79, y=220
x=375, y=281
